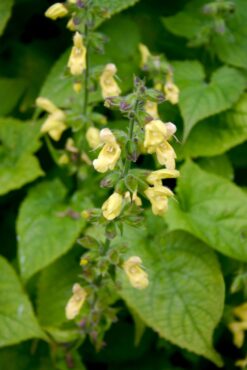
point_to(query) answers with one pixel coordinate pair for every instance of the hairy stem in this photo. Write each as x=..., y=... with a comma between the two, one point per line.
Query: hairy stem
x=127, y=163
x=86, y=75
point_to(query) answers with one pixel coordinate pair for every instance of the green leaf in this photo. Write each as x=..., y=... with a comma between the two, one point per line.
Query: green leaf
x=199, y=99
x=11, y=90
x=54, y=290
x=115, y=6
x=184, y=300
x=211, y=208
x=5, y=13
x=218, y=134
x=17, y=320
x=220, y=165
x=230, y=46
x=18, y=165
x=44, y=231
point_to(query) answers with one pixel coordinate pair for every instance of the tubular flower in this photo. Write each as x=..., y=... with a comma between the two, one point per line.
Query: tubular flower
x=238, y=328
x=76, y=302
x=54, y=125
x=138, y=278
x=156, y=177
x=158, y=196
x=93, y=137
x=71, y=25
x=152, y=109
x=171, y=92
x=55, y=11
x=108, y=85
x=77, y=59
x=156, y=135
x=241, y=363
x=109, y=154
x=145, y=54
x=112, y=206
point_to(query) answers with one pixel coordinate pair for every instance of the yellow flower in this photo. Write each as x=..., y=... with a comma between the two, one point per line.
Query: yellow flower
x=158, y=196
x=112, y=206
x=70, y=146
x=63, y=159
x=54, y=125
x=71, y=25
x=77, y=59
x=93, y=137
x=156, y=177
x=155, y=134
x=109, y=154
x=145, y=54
x=241, y=311
x=55, y=11
x=138, y=278
x=76, y=302
x=241, y=363
x=166, y=155
x=108, y=84
x=152, y=109
x=237, y=328
x=171, y=92
x=46, y=105
x=137, y=200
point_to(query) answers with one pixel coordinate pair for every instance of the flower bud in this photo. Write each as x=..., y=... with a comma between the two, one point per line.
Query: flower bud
x=93, y=137
x=112, y=206
x=46, y=105
x=77, y=59
x=55, y=11
x=108, y=84
x=138, y=278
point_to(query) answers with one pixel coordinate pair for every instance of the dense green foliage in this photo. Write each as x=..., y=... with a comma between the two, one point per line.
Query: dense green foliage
x=195, y=255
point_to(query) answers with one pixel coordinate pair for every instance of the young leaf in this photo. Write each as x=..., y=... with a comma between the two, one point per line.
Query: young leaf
x=211, y=208
x=218, y=134
x=5, y=12
x=18, y=165
x=44, y=231
x=17, y=319
x=185, y=297
x=199, y=99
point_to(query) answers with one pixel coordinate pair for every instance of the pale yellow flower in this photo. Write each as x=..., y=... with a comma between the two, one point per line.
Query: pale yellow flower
x=109, y=154
x=63, y=159
x=158, y=196
x=71, y=25
x=76, y=302
x=238, y=328
x=137, y=200
x=241, y=311
x=54, y=125
x=145, y=54
x=112, y=206
x=156, y=177
x=138, y=278
x=77, y=59
x=70, y=146
x=166, y=155
x=109, y=86
x=155, y=134
x=171, y=92
x=93, y=137
x=152, y=109
x=56, y=10
x=46, y=105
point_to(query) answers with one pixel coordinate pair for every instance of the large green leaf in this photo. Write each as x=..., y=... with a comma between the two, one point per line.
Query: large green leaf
x=44, y=231
x=211, y=208
x=11, y=90
x=230, y=46
x=54, y=290
x=199, y=99
x=17, y=320
x=5, y=12
x=219, y=165
x=218, y=134
x=185, y=297
x=116, y=6
x=18, y=165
